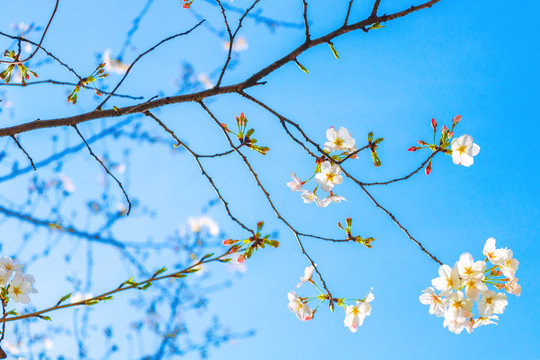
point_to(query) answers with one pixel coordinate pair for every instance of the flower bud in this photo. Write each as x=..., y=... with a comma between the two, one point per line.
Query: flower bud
x=228, y=242
x=428, y=168
x=444, y=129
x=413, y=148
x=240, y=259
x=456, y=119
x=422, y=142
x=434, y=124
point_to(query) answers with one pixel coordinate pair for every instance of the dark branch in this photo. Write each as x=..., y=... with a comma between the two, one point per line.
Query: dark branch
x=24, y=151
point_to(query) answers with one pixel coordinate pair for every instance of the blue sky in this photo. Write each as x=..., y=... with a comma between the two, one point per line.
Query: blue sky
x=478, y=59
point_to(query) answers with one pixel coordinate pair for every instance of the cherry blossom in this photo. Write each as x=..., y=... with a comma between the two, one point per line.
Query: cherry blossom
x=457, y=326
x=309, y=197
x=9, y=265
x=475, y=288
x=512, y=287
x=297, y=306
x=448, y=279
x=467, y=268
x=355, y=314
x=205, y=221
x=19, y=289
x=308, y=273
x=429, y=297
x=338, y=140
x=330, y=199
x=496, y=256
x=510, y=265
x=492, y=303
x=113, y=65
x=463, y=150
x=482, y=321
x=329, y=176
x=296, y=184
x=459, y=306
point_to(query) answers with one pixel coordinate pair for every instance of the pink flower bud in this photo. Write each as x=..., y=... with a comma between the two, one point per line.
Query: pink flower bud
x=434, y=124
x=444, y=129
x=450, y=134
x=413, y=148
x=422, y=142
x=428, y=168
x=240, y=259
x=456, y=119
x=228, y=242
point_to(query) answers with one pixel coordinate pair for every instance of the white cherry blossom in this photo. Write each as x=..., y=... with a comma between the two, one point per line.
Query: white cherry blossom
x=113, y=65
x=302, y=310
x=475, y=288
x=448, y=279
x=457, y=326
x=9, y=265
x=296, y=184
x=338, y=140
x=204, y=221
x=309, y=197
x=463, y=150
x=512, y=287
x=355, y=314
x=329, y=176
x=308, y=273
x=4, y=277
x=510, y=265
x=496, y=256
x=467, y=268
x=330, y=199
x=482, y=321
x=435, y=302
x=19, y=289
x=492, y=303
x=458, y=306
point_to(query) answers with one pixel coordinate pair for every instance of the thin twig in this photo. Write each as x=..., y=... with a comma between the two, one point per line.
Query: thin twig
x=105, y=167
x=232, y=36
x=345, y=23
x=16, y=62
x=375, y=8
x=208, y=177
x=55, y=82
x=141, y=55
x=24, y=151
x=306, y=23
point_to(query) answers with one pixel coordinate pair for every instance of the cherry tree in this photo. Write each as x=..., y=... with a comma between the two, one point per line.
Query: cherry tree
x=104, y=112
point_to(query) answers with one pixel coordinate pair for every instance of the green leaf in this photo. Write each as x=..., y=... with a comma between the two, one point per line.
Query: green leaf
x=301, y=67
x=376, y=26
x=63, y=298
x=207, y=256
x=160, y=271
x=334, y=51
x=45, y=317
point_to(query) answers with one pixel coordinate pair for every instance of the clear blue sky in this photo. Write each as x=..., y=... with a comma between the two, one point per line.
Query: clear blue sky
x=478, y=59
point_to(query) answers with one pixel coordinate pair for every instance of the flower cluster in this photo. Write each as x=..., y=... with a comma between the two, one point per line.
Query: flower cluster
x=249, y=245
x=354, y=314
x=97, y=74
x=327, y=174
x=467, y=282
x=14, y=285
x=7, y=73
x=246, y=136
x=461, y=149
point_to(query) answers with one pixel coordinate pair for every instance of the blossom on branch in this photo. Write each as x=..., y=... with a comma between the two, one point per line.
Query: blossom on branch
x=463, y=150
x=329, y=176
x=355, y=314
